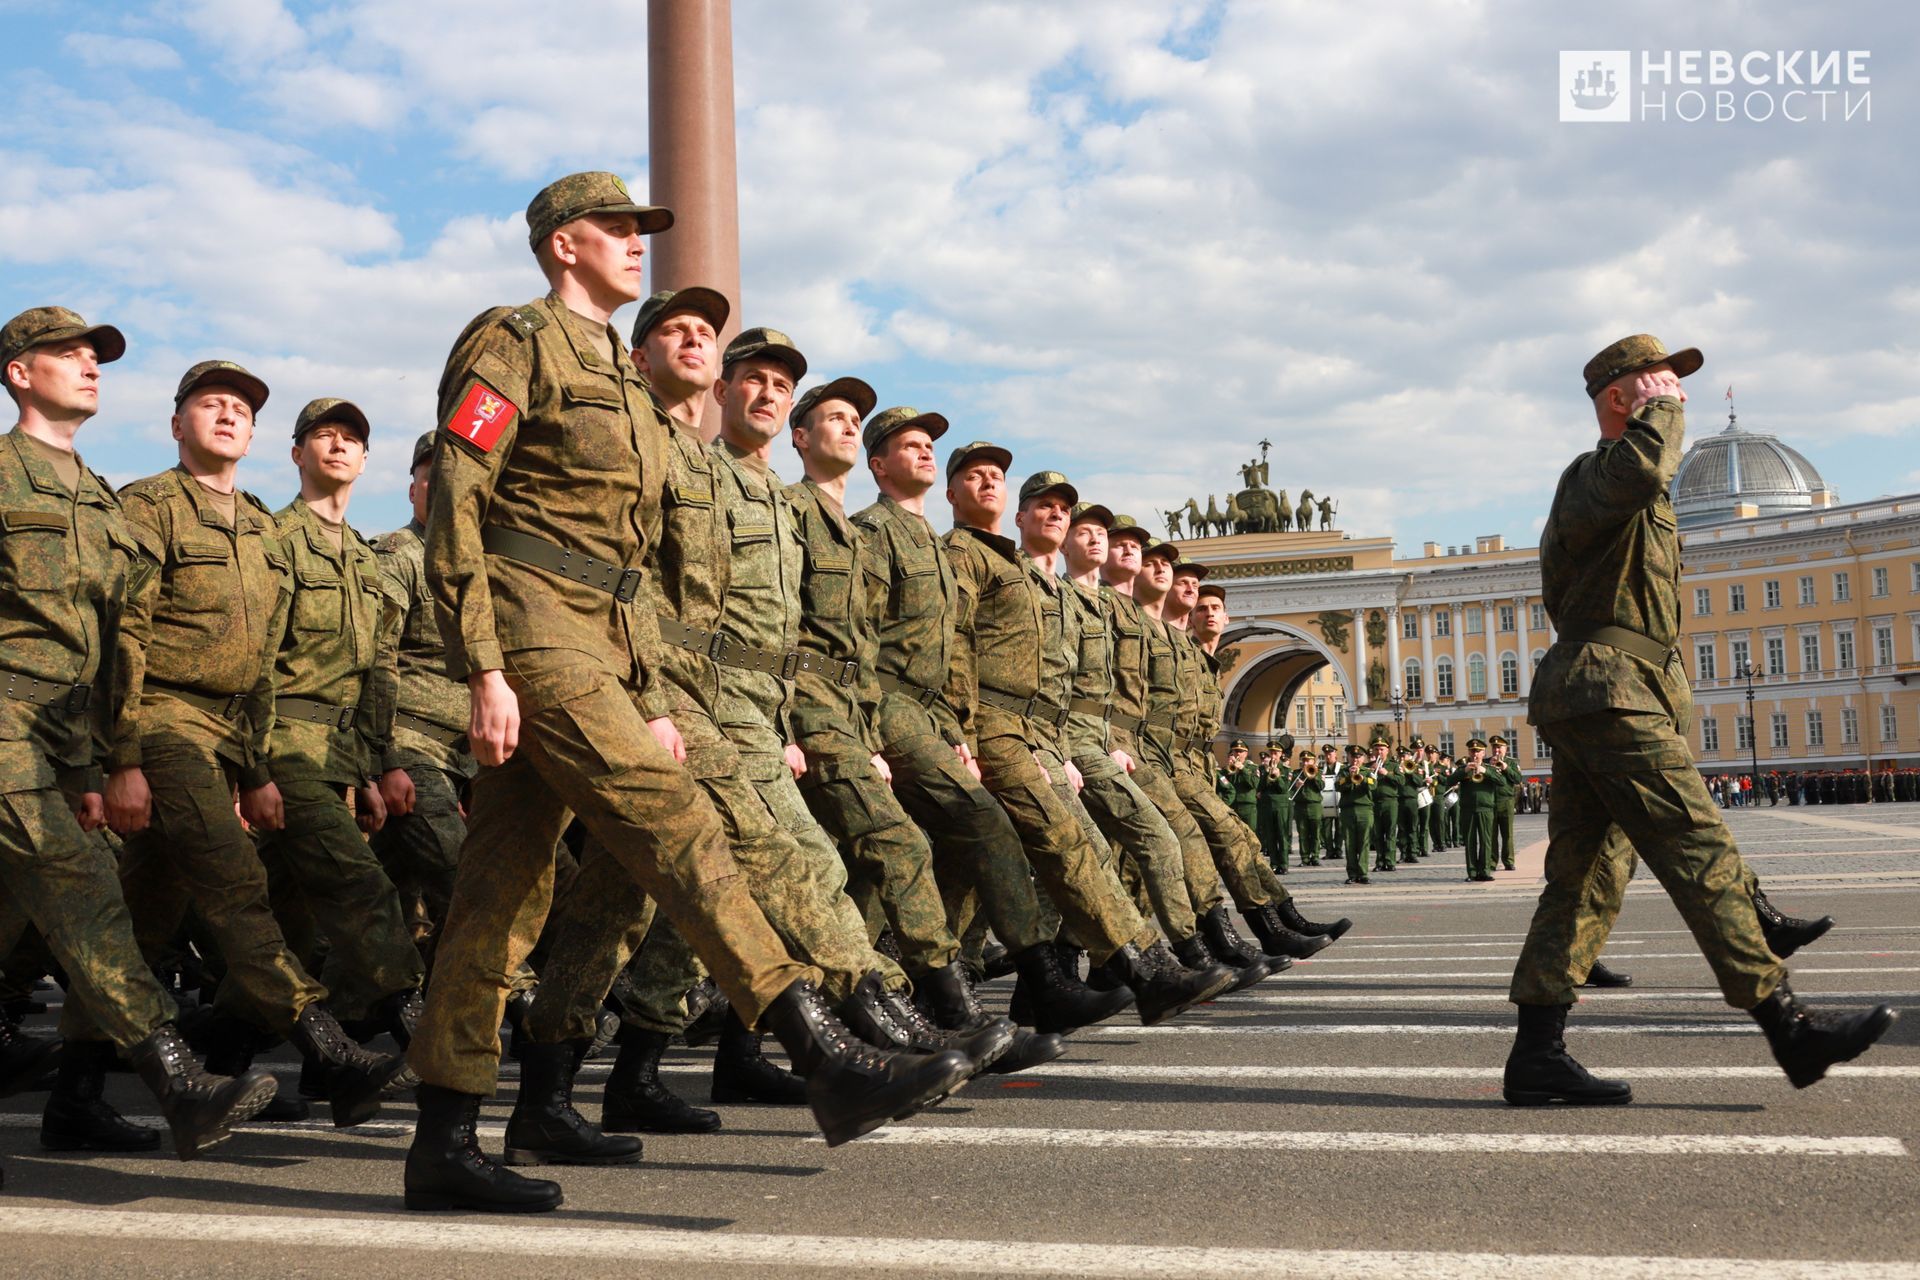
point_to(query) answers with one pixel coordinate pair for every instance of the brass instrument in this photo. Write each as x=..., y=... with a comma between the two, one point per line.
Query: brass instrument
x=1477, y=771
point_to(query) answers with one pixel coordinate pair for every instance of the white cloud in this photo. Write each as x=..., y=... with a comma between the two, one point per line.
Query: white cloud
x=134, y=53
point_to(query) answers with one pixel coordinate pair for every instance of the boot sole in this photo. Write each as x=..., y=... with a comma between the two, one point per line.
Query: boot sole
x=362, y=1102
x=1883, y=1019
x=1545, y=1098
x=1820, y=930
x=523, y=1157
x=246, y=1107
x=851, y=1127
x=433, y=1201
x=1173, y=1011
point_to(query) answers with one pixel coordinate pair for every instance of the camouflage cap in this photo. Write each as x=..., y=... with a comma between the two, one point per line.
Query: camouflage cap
x=698, y=299
x=1164, y=550
x=1631, y=355
x=579, y=194
x=332, y=409
x=765, y=344
x=855, y=392
x=1125, y=526
x=38, y=326
x=221, y=373
x=1192, y=567
x=977, y=450
x=422, y=449
x=1044, y=482
x=1213, y=589
x=889, y=422
x=1091, y=511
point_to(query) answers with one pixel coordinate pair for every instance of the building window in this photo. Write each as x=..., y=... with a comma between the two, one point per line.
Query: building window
x=1776, y=655
x=1779, y=723
x=1881, y=587
x=1476, y=620
x=1810, y=653
x=1889, y=722
x=1476, y=676
x=1537, y=617
x=1410, y=678
x=1702, y=601
x=1507, y=618
x=1914, y=570
x=1542, y=749
x=1446, y=743
x=1883, y=646
x=1843, y=650
x=1442, y=623
x=1538, y=654
x=1339, y=719
x=1849, y=727
x=1772, y=588
x=1319, y=717
x=1509, y=675
x=1842, y=587
x=1409, y=625
x=1709, y=736
x=1743, y=733
x=1806, y=588
x=1703, y=661
x=1739, y=657
x=1443, y=677
x=1816, y=729
x=1737, y=598
x=1299, y=717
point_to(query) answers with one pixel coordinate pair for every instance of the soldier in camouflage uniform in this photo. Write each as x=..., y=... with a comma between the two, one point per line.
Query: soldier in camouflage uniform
x=546, y=493
x=67, y=559
x=425, y=769
x=333, y=687
x=1506, y=778
x=195, y=693
x=1612, y=701
x=1009, y=657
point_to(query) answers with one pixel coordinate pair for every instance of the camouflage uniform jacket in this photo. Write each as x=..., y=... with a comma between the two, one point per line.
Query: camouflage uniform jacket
x=688, y=578
x=541, y=435
x=1008, y=639
x=1610, y=556
x=421, y=660
x=833, y=719
x=65, y=560
x=205, y=618
x=1087, y=620
x=337, y=649
x=1127, y=627
x=1164, y=674
x=761, y=609
x=1189, y=718
x=913, y=605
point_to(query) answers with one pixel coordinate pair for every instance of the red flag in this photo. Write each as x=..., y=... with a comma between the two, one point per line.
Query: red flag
x=1729, y=391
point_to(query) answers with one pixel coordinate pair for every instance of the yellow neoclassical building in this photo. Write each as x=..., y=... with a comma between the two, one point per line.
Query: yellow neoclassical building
x=1336, y=637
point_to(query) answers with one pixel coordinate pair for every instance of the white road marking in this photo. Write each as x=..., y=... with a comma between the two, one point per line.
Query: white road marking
x=1501, y=1028
x=1638, y=955
x=1338, y=1072
x=1352, y=1141
x=1304, y=1000
x=845, y=1254
x=1418, y=977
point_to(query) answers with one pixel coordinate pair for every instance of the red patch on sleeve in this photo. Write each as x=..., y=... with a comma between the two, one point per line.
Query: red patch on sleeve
x=482, y=416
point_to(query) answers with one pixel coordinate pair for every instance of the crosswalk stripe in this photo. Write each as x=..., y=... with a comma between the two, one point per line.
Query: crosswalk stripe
x=1420, y=1029
x=719, y=1249
x=1638, y=955
x=1415, y=975
x=1352, y=1141
x=1307, y=1000
x=1340, y=1072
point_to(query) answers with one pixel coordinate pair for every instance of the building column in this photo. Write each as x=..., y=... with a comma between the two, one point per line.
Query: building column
x=1490, y=620
x=1459, y=609
x=1426, y=654
x=1359, y=662
x=1520, y=621
x=1394, y=675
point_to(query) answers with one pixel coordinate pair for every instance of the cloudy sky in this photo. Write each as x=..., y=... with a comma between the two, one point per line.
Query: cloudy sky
x=1126, y=238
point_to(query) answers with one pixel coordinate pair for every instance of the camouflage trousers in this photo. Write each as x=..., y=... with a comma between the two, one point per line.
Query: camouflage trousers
x=584, y=748
x=1625, y=781
x=420, y=852
x=792, y=870
x=62, y=881
x=1249, y=881
x=1202, y=878
x=332, y=899
x=1306, y=828
x=889, y=860
x=1147, y=843
x=1502, y=850
x=1094, y=908
x=195, y=854
x=1105, y=855
x=979, y=864
x=1386, y=832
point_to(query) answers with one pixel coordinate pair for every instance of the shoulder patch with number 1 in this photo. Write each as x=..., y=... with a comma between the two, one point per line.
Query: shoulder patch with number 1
x=482, y=416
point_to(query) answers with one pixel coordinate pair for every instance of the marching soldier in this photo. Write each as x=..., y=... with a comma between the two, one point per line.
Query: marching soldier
x=1612, y=701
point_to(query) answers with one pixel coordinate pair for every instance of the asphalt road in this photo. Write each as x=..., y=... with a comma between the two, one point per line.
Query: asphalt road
x=1342, y=1119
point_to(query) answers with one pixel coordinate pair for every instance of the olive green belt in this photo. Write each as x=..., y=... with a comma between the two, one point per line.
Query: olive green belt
x=1035, y=708
x=919, y=693
x=428, y=729
x=616, y=580
x=1121, y=720
x=1090, y=707
x=227, y=706
x=1621, y=638
x=731, y=653
x=67, y=699
x=315, y=712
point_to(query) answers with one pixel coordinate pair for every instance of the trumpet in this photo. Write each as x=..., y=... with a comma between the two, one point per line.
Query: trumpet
x=1478, y=772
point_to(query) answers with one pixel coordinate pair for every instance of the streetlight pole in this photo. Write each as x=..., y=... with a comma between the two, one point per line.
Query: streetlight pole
x=1399, y=713
x=1753, y=725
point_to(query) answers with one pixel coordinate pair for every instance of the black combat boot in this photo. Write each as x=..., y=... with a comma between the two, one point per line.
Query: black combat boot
x=398, y=1014
x=1276, y=939
x=1601, y=976
x=1192, y=952
x=1786, y=934
x=982, y=1045
x=1223, y=942
x=24, y=1059
x=1163, y=987
x=997, y=962
x=1290, y=916
x=1540, y=1070
x=77, y=1117
x=1806, y=1042
x=544, y=1128
x=854, y=1088
x=741, y=1073
x=1050, y=1001
x=356, y=1078
x=951, y=1003
x=230, y=1049
x=1029, y=1049
x=636, y=1101
x=201, y=1109
x=447, y=1170
x=1072, y=956
x=709, y=1010
x=867, y=1015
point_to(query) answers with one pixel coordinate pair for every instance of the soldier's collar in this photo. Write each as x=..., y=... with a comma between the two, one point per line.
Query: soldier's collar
x=41, y=475
x=575, y=326
x=1005, y=546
